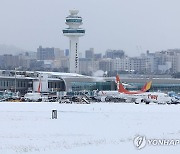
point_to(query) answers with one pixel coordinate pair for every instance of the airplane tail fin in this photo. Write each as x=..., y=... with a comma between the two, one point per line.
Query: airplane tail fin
x=120, y=86
x=117, y=79
x=147, y=86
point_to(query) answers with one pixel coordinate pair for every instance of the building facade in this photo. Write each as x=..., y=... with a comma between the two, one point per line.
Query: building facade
x=26, y=81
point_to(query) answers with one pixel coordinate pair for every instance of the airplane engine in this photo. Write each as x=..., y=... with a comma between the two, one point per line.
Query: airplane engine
x=139, y=100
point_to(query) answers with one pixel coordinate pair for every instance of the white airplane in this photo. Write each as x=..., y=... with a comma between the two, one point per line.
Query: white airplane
x=146, y=97
x=143, y=96
x=149, y=97
x=103, y=95
x=36, y=96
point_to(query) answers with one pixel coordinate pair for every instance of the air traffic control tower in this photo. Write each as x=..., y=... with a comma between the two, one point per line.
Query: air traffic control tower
x=74, y=32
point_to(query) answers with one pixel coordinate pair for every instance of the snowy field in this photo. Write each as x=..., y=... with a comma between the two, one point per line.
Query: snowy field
x=27, y=128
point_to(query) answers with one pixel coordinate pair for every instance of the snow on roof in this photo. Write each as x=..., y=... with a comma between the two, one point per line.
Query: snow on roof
x=62, y=74
x=18, y=77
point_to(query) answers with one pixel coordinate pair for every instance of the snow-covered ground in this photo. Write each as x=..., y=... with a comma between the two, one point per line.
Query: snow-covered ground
x=97, y=128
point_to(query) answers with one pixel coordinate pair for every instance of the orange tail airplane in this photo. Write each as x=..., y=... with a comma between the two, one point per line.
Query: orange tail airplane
x=121, y=88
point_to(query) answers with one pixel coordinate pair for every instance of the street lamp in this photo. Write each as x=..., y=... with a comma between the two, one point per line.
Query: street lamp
x=15, y=81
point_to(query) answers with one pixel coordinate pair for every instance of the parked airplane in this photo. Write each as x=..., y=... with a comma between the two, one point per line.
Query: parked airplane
x=147, y=97
x=143, y=96
x=36, y=96
x=136, y=96
x=145, y=88
x=102, y=95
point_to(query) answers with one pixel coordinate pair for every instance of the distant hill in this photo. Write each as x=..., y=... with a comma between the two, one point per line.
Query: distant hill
x=10, y=49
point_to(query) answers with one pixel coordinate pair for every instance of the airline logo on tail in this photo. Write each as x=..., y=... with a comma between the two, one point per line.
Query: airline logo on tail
x=121, y=88
x=147, y=86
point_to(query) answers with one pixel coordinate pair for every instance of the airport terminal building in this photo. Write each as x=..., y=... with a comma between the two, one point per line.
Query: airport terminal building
x=27, y=81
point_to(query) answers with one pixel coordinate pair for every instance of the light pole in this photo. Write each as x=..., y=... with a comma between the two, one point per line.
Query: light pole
x=15, y=81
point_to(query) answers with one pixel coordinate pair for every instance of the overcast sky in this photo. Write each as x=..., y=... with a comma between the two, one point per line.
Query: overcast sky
x=132, y=25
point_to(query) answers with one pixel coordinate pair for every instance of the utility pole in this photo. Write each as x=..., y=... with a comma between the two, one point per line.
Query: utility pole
x=15, y=82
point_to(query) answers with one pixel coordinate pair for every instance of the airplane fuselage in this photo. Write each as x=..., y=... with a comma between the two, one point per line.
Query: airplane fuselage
x=156, y=97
